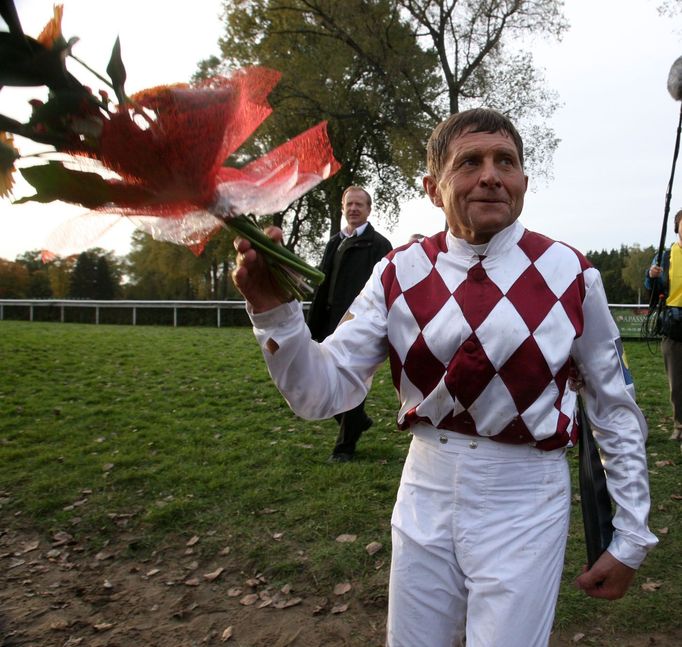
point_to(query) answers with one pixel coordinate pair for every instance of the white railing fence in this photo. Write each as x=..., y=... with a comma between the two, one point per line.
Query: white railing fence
x=628, y=317
x=131, y=312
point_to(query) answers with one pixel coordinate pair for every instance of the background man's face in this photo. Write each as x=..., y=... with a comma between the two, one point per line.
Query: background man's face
x=356, y=209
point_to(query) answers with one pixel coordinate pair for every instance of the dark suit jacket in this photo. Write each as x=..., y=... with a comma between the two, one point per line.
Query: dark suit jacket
x=356, y=267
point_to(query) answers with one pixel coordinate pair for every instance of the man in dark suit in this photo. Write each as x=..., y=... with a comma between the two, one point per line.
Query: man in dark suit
x=348, y=260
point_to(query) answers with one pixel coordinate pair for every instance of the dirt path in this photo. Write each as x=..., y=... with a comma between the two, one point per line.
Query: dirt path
x=54, y=594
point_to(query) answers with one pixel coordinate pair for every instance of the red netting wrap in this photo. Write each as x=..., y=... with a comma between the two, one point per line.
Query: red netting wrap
x=168, y=149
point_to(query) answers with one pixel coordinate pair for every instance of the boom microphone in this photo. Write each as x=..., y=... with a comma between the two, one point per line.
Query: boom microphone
x=675, y=80
x=650, y=325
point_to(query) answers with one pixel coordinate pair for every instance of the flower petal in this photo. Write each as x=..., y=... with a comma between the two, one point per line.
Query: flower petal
x=51, y=36
x=178, y=145
x=193, y=229
x=79, y=233
x=272, y=182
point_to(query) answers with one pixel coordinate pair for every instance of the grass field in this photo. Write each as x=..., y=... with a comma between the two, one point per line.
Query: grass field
x=182, y=429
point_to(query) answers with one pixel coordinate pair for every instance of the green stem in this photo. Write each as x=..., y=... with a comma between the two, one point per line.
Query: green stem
x=89, y=69
x=289, y=271
x=260, y=240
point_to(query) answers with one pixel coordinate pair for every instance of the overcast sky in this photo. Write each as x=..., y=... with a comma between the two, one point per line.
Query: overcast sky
x=617, y=123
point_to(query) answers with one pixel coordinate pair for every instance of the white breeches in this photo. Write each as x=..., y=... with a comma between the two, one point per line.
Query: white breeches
x=479, y=534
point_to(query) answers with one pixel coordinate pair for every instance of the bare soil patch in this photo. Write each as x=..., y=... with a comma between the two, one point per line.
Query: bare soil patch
x=54, y=593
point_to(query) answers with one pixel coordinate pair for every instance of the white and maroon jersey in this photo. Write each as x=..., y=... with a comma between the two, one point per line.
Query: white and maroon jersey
x=480, y=341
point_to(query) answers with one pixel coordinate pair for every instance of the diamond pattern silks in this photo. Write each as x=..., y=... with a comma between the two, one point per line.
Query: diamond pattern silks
x=481, y=344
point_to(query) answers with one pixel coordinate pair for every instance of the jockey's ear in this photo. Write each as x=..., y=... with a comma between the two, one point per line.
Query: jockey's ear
x=431, y=187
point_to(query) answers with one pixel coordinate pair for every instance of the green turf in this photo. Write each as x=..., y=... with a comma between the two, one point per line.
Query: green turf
x=182, y=429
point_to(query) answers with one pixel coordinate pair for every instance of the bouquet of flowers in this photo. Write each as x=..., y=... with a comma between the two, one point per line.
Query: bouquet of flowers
x=157, y=157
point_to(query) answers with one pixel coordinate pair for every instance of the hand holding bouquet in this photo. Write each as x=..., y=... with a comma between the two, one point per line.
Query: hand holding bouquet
x=157, y=157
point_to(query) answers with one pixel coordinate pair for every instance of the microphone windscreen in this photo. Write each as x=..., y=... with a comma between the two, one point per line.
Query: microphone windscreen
x=675, y=80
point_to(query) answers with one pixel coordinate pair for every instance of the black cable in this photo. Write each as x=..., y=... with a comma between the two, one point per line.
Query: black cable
x=651, y=325
x=669, y=193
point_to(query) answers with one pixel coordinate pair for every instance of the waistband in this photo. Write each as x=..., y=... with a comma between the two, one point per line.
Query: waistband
x=454, y=442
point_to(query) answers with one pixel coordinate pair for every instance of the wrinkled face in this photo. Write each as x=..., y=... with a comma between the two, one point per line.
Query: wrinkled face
x=356, y=209
x=481, y=187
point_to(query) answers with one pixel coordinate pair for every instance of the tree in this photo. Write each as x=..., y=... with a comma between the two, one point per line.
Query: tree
x=59, y=275
x=355, y=64
x=96, y=275
x=476, y=44
x=14, y=280
x=670, y=7
x=105, y=287
x=610, y=264
x=82, y=282
x=160, y=270
x=637, y=262
x=38, y=276
x=383, y=73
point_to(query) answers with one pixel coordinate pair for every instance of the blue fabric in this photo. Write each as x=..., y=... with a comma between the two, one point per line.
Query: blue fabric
x=662, y=281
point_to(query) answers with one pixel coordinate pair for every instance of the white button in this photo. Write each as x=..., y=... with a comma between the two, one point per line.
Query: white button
x=473, y=444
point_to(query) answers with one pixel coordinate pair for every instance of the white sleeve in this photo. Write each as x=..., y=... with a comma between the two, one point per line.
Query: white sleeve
x=618, y=424
x=319, y=380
